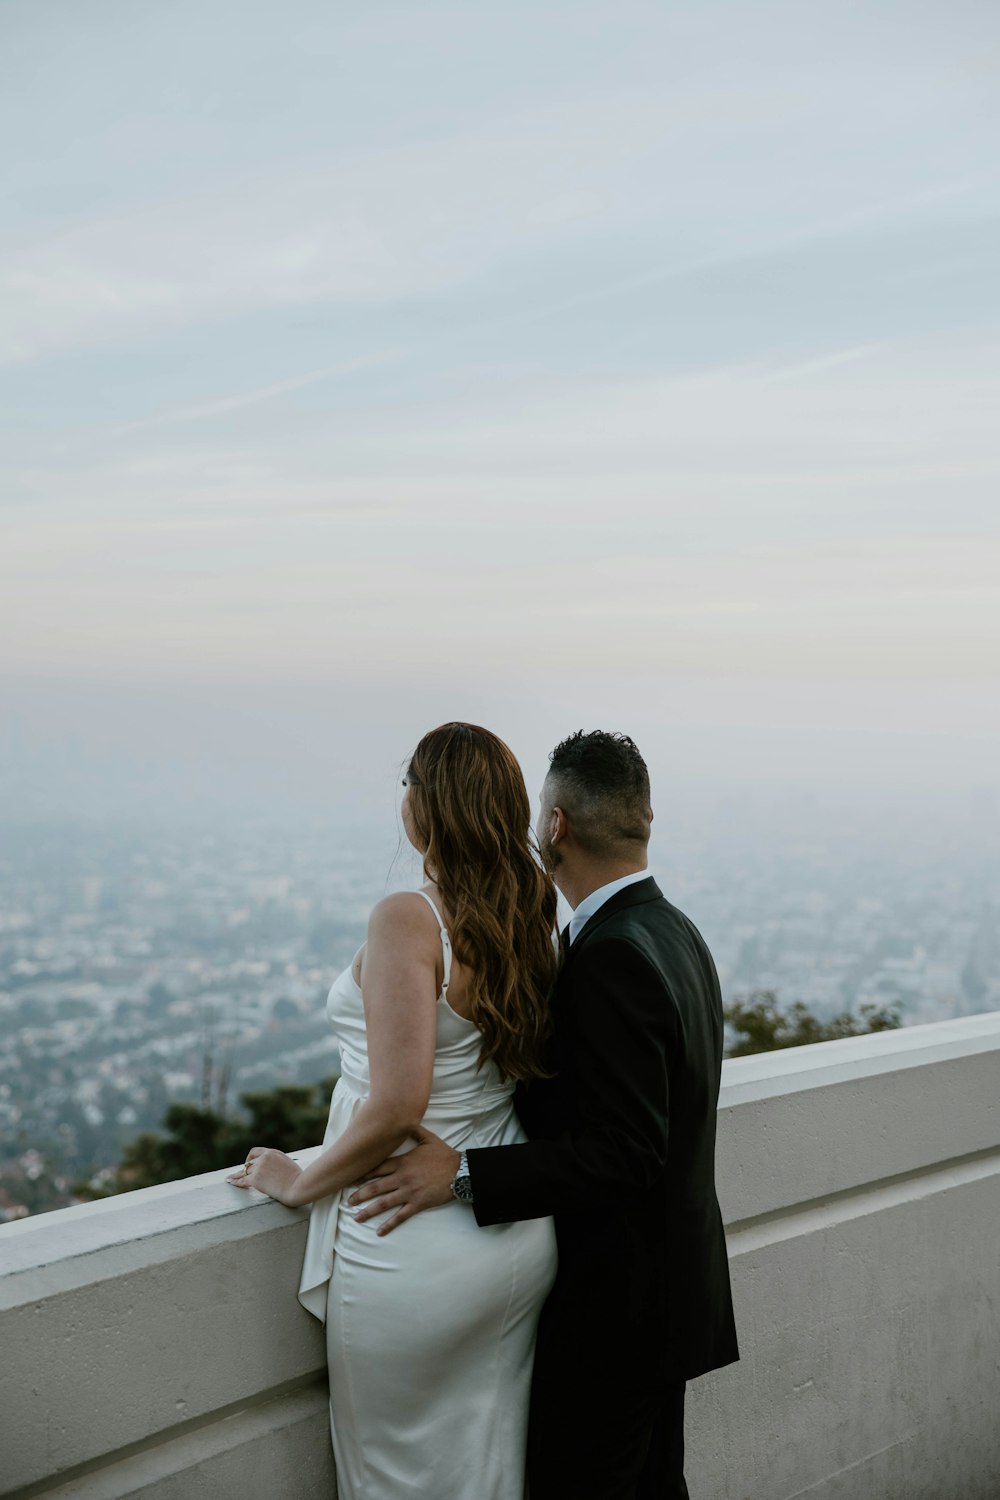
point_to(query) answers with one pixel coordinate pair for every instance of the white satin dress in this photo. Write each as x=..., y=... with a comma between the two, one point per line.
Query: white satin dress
x=430, y=1331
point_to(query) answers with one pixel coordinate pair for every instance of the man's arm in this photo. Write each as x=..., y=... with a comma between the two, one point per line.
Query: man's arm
x=618, y=1144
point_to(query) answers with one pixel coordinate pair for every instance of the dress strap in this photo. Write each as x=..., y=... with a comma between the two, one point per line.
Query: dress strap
x=445, y=941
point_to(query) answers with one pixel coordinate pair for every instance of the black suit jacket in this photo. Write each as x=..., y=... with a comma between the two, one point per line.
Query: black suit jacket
x=622, y=1142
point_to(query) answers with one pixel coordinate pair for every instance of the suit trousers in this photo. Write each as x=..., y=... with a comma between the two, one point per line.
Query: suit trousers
x=604, y=1424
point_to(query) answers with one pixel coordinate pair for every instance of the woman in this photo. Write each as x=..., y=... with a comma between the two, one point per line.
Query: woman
x=431, y=1330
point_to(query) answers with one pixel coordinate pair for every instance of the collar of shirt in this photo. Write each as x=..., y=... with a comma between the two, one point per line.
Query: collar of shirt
x=597, y=898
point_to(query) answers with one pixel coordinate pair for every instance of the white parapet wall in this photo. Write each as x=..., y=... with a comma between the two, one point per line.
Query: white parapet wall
x=152, y=1345
x=860, y=1185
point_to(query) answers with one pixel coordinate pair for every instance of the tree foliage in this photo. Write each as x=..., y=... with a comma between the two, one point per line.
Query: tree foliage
x=196, y=1139
x=759, y=1024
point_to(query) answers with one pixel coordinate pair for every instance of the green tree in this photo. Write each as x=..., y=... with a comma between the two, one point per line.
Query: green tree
x=196, y=1139
x=759, y=1024
x=288, y=1117
x=191, y=1145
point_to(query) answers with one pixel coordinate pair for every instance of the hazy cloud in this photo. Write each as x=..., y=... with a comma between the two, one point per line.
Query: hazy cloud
x=620, y=343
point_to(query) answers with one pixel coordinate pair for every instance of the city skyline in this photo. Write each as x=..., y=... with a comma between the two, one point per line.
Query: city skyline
x=139, y=971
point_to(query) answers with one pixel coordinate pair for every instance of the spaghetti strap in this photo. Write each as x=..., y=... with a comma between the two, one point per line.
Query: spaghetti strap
x=445, y=941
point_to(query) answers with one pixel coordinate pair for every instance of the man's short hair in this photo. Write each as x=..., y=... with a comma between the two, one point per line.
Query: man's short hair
x=601, y=781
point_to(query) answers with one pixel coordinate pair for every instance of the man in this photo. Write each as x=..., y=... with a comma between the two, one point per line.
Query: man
x=621, y=1151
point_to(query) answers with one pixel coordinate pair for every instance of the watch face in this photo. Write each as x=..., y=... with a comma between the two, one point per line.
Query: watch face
x=462, y=1188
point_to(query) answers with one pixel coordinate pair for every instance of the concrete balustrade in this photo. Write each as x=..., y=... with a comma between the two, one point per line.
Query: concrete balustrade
x=152, y=1344
x=860, y=1184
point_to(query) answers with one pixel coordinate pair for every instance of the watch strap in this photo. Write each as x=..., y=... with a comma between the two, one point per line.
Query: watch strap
x=461, y=1187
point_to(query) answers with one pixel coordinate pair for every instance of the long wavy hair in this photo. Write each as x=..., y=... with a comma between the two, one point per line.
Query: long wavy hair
x=472, y=819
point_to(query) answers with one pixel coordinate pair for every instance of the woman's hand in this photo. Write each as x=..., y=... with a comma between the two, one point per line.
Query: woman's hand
x=271, y=1172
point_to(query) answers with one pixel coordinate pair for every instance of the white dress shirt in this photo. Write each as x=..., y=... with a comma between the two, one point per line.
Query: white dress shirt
x=596, y=900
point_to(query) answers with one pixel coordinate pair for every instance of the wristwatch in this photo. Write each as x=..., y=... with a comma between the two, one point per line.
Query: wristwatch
x=461, y=1187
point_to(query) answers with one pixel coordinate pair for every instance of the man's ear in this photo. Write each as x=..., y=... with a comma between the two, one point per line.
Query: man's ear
x=558, y=826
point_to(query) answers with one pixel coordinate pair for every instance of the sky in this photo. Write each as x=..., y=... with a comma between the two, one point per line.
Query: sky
x=596, y=365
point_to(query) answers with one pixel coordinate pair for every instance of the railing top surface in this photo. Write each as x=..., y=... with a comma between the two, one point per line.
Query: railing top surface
x=791, y=1069
x=206, y=1205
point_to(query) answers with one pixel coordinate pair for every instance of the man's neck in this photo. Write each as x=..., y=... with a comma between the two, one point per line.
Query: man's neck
x=577, y=885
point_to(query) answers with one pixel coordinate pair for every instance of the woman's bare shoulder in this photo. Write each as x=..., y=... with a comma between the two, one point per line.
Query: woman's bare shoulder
x=402, y=913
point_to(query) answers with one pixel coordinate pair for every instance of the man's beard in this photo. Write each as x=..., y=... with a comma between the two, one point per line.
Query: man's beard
x=551, y=857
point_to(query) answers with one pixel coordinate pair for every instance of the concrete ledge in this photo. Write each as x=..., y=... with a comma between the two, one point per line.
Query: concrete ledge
x=153, y=1344
x=283, y=1436
x=128, y=1324
x=860, y=1182
x=808, y=1122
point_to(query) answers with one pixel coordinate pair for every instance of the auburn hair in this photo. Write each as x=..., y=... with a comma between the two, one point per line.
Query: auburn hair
x=472, y=819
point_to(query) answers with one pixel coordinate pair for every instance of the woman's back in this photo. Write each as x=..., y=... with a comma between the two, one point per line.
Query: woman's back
x=437, y=1321
x=467, y=1101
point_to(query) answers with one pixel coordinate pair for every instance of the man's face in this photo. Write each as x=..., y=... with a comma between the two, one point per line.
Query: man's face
x=551, y=857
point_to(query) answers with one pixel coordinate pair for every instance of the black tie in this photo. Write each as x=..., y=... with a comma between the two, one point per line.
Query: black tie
x=564, y=944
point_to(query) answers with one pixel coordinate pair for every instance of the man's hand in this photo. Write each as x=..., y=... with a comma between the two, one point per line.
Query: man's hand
x=418, y=1179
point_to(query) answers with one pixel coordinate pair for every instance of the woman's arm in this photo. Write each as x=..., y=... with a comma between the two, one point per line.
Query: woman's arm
x=616, y=1149
x=400, y=986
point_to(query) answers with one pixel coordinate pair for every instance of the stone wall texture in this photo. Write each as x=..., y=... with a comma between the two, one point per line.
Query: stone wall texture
x=153, y=1346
